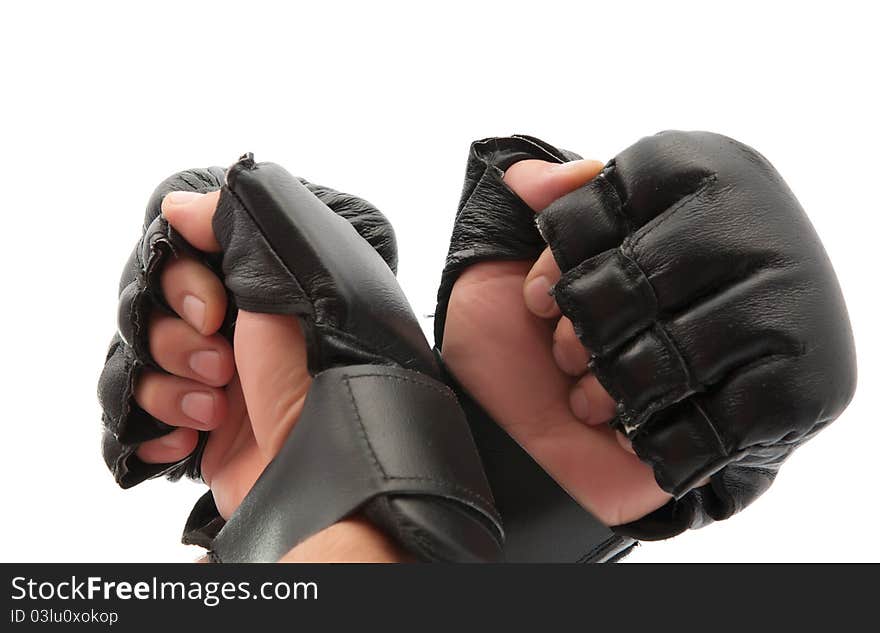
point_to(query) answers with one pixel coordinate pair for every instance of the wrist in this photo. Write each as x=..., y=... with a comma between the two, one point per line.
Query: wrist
x=352, y=540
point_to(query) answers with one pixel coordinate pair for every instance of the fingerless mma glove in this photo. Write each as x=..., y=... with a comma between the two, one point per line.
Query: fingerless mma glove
x=379, y=431
x=709, y=306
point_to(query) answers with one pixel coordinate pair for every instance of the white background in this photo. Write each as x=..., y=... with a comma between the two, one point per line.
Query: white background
x=101, y=101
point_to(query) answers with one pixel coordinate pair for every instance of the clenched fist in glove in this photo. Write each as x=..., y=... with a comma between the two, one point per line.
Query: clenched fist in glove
x=681, y=336
x=330, y=398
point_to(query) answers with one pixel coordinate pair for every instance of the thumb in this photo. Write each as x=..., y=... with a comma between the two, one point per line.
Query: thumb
x=539, y=183
x=271, y=358
x=190, y=214
x=270, y=349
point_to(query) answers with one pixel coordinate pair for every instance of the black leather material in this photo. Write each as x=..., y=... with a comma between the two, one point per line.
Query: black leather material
x=371, y=432
x=379, y=432
x=712, y=312
x=542, y=522
x=492, y=223
x=126, y=425
x=714, y=316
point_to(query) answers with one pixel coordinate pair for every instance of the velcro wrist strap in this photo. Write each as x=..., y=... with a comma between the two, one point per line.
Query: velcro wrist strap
x=369, y=432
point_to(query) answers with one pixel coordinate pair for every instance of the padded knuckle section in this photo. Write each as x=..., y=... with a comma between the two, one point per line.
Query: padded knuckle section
x=583, y=223
x=682, y=445
x=127, y=313
x=656, y=172
x=155, y=243
x=609, y=300
x=142, y=291
x=114, y=385
x=126, y=425
x=645, y=375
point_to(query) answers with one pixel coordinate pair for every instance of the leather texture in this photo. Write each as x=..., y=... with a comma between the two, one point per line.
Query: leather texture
x=371, y=432
x=711, y=310
x=125, y=424
x=542, y=522
x=379, y=432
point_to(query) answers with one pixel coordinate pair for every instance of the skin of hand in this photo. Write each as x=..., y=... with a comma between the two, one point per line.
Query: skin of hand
x=507, y=343
x=248, y=394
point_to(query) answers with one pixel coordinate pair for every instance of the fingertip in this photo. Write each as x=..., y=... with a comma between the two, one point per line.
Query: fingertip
x=205, y=409
x=178, y=199
x=575, y=173
x=568, y=351
x=540, y=182
x=538, y=285
x=537, y=297
x=169, y=448
x=195, y=293
x=191, y=214
x=601, y=407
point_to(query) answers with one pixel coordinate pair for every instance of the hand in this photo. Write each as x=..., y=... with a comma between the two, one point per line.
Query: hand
x=248, y=394
x=506, y=343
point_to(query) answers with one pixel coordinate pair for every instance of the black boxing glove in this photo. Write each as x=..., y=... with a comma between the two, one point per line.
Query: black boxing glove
x=379, y=433
x=713, y=315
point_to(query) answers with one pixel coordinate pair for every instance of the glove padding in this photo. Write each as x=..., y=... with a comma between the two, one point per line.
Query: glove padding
x=711, y=310
x=379, y=433
x=713, y=314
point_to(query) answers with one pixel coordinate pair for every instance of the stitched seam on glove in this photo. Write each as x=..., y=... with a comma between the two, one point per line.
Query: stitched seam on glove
x=455, y=486
x=609, y=173
x=673, y=209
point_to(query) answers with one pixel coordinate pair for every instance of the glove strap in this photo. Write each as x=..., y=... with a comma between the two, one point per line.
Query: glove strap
x=376, y=436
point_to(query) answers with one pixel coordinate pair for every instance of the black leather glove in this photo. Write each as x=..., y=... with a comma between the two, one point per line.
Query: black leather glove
x=711, y=310
x=379, y=432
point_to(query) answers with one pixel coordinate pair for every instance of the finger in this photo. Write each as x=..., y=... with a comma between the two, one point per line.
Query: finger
x=180, y=350
x=568, y=352
x=538, y=284
x=194, y=292
x=179, y=401
x=270, y=354
x=539, y=183
x=190, y=214
x=590, y=403
x=169, y=448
